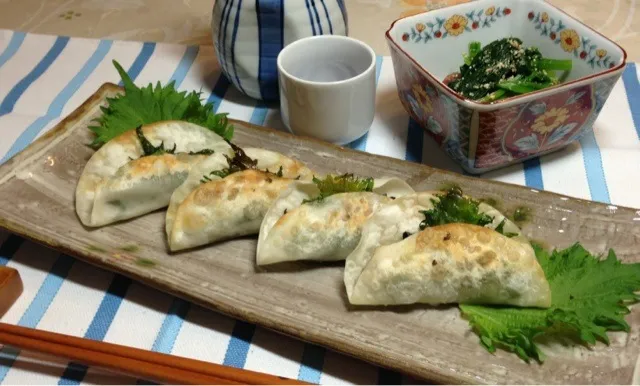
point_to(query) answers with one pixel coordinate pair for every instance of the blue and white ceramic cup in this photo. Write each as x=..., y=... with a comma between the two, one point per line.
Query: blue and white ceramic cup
x=328, y=88
x=248, y=36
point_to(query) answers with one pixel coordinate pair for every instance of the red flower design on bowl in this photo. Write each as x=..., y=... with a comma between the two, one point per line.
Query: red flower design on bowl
x=483, y=137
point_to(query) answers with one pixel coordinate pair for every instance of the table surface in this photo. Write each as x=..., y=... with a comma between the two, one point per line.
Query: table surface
x=188, y=22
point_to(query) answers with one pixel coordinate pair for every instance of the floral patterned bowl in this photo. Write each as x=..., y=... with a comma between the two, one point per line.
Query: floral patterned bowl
x=427, y=47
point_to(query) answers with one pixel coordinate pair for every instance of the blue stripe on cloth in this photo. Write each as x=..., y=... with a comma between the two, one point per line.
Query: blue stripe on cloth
x=75, y=372
x=236, y=24
x=361, y=143
x=311, y=364
x=47, y=292
x=632, y=87
x=259, y=114
x=16, y=92
x=140, y=61
x=218, y=92
x=593, y=166
x=108, y=308
x=38, y=307
x=315, y=12
x=171, y=326
x=415, y=138
x=326, y=12
x=56, y=107
x=270, y=15
x=14, y=44
x=389, y=377
x=9, y=248
x=313, y=26
x=533, y=173
x=239, y=344
x=379, y=61
x=190, y=55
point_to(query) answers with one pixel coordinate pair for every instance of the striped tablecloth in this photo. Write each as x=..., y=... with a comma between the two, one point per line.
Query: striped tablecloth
x=43, y=78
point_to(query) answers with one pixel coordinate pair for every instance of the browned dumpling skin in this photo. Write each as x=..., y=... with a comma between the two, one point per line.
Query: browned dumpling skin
x=453, y=263
x=119, y=183
x=203, y=212
x=226, y=208
x=396, y=263
x=323, y=231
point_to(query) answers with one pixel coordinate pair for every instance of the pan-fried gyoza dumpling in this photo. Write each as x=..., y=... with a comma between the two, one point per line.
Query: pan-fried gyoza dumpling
x=226, y=198
x=322, y=220
x=439, y=248
x=136, y=172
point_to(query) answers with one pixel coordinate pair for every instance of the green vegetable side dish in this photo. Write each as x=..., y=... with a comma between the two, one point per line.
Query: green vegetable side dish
x=505, y=68
x=142, y=106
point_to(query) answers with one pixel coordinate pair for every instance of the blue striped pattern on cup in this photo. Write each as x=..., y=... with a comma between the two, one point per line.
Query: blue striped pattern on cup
x=249, y=35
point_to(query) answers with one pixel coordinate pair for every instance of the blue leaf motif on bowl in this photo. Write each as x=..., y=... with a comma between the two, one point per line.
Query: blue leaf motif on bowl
x=453, y=148
x=528, y=143
x=448, y=103
x=415, y=106
x=561, y=132
x=433, y=126
x=431, y=92
x=538, y=108
x=574, y=98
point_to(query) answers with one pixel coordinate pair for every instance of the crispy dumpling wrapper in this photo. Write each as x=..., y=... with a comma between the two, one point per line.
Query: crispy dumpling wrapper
x=327, y=230
x=452, y=263
x=119, y=182
x=203, y=212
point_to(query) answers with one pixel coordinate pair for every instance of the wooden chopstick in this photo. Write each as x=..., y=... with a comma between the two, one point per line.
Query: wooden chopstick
x=135, y=362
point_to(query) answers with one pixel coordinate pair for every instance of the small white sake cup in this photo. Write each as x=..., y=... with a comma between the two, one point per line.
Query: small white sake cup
x=327, y=88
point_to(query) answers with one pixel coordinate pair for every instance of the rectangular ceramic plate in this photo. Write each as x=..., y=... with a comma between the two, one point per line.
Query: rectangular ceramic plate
x=306, y=300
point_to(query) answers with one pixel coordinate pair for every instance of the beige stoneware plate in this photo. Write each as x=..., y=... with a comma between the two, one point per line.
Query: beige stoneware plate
x=308, y=301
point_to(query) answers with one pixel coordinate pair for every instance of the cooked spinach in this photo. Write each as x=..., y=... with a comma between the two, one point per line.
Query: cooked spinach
x=505, y=68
